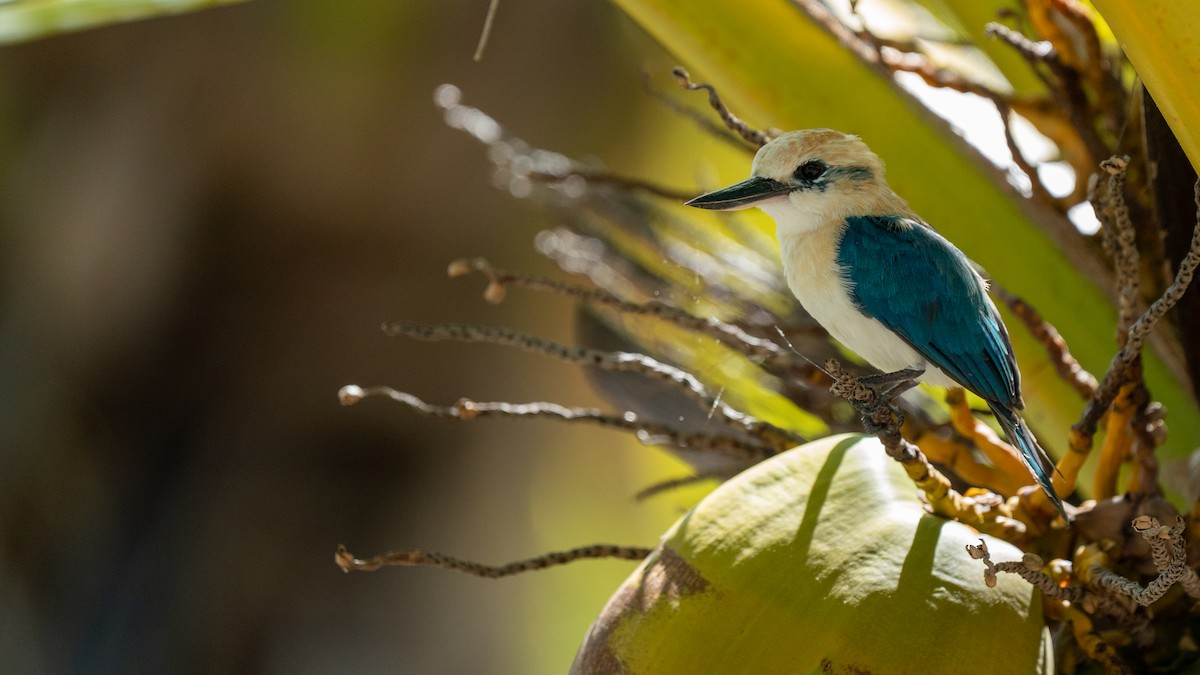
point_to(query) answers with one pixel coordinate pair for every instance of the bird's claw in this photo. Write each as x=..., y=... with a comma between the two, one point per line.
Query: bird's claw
x=880, y=416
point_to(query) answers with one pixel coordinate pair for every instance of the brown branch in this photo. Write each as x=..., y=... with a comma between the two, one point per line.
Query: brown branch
x=769, y=434
x=487, y=30
x=1123, y=361
x=1067, y=367
x=1167, y=547
x=1120, y=242
x=820, y=14
x=1035, y=182
x=732, y=121
x=648, y=432
x=881, y=419
x=1028, y=568
x=348, y=563
x=676, y=483
x=1065, y=83
x=761, y=350
x=899, y=57
x=697, y=117
x=1035, y=53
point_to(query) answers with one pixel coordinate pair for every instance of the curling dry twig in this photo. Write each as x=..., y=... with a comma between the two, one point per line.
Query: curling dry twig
x=487, y=29
x=764, y=351
x=732, y=121
x=1168, y=549
x=348, y=563
x=694, y=115
x=1029, y=568
x=769, y=434
x=648, y=432
x=1035, y=182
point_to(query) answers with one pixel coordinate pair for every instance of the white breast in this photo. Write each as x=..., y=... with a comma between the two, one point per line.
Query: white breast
x=810, y=262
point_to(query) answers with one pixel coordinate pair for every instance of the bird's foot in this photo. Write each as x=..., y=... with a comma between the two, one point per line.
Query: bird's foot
x=873, y=395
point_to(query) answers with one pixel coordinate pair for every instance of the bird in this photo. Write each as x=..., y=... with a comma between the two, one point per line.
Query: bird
x=881, y=280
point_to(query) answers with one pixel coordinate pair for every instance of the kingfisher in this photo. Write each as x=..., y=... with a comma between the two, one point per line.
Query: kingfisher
x=880, y=279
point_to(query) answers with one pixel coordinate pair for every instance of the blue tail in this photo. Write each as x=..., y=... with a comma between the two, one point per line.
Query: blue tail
x=1032, y=454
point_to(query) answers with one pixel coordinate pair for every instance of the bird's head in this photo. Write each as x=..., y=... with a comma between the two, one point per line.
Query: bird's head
x=805, y=178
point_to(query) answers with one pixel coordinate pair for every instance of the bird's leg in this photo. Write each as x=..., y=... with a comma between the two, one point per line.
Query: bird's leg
x=906, y=377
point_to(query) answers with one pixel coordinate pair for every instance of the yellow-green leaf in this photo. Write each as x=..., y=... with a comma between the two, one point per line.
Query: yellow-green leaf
x=777, y=68
x=30, y=19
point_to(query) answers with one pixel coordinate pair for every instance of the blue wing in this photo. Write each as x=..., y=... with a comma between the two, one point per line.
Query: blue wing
x=917, y=284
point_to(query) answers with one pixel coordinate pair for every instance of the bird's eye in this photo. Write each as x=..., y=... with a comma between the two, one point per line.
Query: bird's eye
x=810, y=170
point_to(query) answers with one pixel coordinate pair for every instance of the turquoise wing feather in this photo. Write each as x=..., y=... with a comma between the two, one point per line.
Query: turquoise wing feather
x=916, y=283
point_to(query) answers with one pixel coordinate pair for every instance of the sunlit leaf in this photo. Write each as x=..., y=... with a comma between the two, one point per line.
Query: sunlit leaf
x=30, y=19
x=778, y=68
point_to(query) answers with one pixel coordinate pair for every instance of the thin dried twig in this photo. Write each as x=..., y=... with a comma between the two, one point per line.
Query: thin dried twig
x=1124, y=360
x=1064, y=83
x=1120, y=242
x=697, y=117
x=648, y=432
x=769, y=434
x=1029, y=568
x=675, y=483
x=1035, y=181
x=902, y=58
x=487, y=29
x=606, y=178
x=1035, y=53
x=761, y=350
x=1168, y=549
x=348, y=563
x=732, y=121
x=1067, y=367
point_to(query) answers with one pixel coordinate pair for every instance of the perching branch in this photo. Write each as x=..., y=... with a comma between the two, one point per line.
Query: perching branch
x=882, y=420
x=348, y=563
x=648, y=432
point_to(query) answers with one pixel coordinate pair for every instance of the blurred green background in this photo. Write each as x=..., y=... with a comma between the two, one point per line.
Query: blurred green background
x=203, y=221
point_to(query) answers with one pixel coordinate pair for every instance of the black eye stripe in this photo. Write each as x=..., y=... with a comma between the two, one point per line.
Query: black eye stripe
x=816, y=174
x=810, y=170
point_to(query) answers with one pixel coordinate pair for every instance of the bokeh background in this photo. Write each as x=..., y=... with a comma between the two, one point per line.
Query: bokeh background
x=203, y=221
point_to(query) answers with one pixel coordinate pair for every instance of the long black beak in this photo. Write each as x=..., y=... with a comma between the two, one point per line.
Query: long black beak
x=741, y=195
